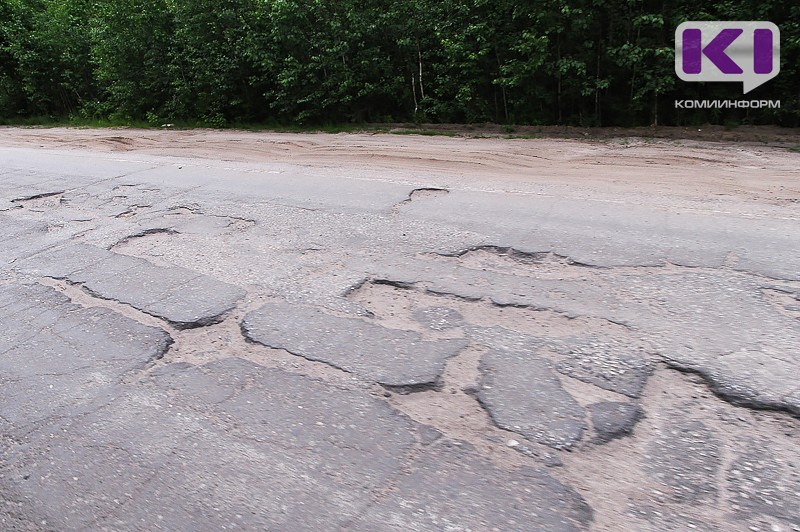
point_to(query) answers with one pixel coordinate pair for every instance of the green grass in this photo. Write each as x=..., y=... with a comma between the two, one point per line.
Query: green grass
x=468, y=130
x=32, y=121
x=427, y=132
x=80, y=122
x=325, y=128
x=528, y=137
x=49, y=121
x=795, y=148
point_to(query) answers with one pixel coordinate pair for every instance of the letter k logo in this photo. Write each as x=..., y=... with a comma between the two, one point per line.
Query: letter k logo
x=714, y=51
x=746, y=51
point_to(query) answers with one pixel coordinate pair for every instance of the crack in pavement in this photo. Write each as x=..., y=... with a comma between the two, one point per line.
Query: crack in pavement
x=183, y=298
x=650, y=305
x=523, y=257
x=739, y=394
x=141, y=234
x=399, y=359
x=37, y=196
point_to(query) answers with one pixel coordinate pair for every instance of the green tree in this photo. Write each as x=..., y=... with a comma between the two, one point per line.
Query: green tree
x=45, y=52
x=131, y=44
x=585, y=62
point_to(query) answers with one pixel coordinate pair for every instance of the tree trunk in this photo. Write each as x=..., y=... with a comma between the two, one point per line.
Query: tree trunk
x=414, y=92
x=558, y=62
x=655, y=108
x=421, y=88
x=597, y=89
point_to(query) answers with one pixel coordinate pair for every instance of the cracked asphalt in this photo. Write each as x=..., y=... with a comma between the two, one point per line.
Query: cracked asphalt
x=218, y=340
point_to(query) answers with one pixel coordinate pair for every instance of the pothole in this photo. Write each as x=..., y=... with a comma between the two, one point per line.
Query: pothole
x=216, y=342
x=226, y=340
x=37, y=202
x=423, y=193
x=427, y=193
x=81, y=297
x=662, y=479
x=437, y=316
x=195, y=220
x=585, y=354
x=455, y=412
x=482, y=254
x=118, y=246
x=511, y=261
x=786, y=302
x=133, y=210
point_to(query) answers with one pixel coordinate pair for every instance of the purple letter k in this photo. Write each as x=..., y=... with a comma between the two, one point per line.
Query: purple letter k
x=715, y=51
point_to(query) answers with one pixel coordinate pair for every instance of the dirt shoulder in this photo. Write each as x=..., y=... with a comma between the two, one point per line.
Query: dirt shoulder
x=701, y=169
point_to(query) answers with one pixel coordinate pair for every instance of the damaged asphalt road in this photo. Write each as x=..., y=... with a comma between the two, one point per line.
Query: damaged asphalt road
x=208, y=345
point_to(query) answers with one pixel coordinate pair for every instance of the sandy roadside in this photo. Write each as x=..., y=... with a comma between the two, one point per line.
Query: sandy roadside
x=695, y=170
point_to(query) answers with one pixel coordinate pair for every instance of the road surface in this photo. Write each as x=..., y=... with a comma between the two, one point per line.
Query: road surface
x=222, y=331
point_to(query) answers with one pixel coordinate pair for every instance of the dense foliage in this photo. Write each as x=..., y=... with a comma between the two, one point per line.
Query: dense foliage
x=584, y=62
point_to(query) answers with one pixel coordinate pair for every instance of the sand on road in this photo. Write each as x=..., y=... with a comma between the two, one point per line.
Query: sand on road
x=640, y=170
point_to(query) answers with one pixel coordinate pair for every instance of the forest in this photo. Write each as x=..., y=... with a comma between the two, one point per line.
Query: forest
x=226, y=62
